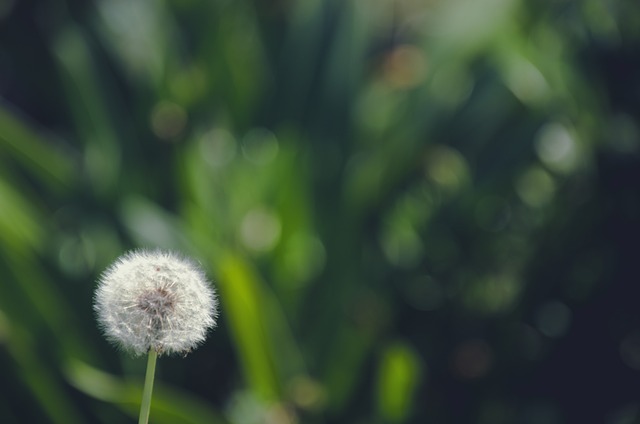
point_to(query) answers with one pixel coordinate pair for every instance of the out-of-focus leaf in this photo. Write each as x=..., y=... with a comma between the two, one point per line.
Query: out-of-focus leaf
x=243, y=302
x=136, y=34
x=399, y=373
x=463, y=27
x=45, y=386
x=168, y=405
x=43, y=304
x=87, y=99
x=52, y=167
x=346, y=360
x=21, y=225
x=150, y=225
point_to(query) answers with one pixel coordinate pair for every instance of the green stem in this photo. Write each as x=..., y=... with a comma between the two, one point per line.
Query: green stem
x=145, y=407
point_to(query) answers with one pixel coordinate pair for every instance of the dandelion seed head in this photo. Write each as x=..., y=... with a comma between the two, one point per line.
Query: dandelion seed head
x=155, y=300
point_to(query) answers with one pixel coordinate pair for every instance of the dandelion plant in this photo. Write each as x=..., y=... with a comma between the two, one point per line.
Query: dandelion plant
x=155, y=302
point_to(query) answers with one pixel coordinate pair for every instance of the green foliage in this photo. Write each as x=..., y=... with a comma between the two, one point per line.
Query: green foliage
x=400, y=374
x=382, y=191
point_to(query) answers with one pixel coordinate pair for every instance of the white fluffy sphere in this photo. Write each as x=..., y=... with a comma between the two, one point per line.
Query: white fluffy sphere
x=155, y=300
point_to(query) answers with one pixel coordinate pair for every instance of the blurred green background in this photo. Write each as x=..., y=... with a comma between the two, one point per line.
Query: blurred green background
x=414, y=211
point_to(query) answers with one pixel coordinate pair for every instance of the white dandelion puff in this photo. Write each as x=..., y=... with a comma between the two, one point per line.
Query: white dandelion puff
x=155, y=301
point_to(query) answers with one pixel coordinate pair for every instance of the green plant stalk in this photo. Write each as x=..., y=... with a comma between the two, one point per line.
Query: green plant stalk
x=145, y=407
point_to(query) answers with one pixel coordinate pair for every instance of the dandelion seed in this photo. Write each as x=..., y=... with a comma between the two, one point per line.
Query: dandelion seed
x=155, y=301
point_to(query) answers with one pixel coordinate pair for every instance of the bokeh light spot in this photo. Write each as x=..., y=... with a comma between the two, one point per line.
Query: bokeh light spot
x=472, y=359
x=279, y=413
x=493, y=293
x=168, y=120
x=556, y=148
x=405, y=67
x=307, y=393
x=260, y=146
x=535, y=187
x=553, y=318
x=217, y=147
x=447, y=167
x=260, y=230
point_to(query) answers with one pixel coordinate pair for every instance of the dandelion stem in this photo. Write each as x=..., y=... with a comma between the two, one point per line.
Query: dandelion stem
x=145, y=407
